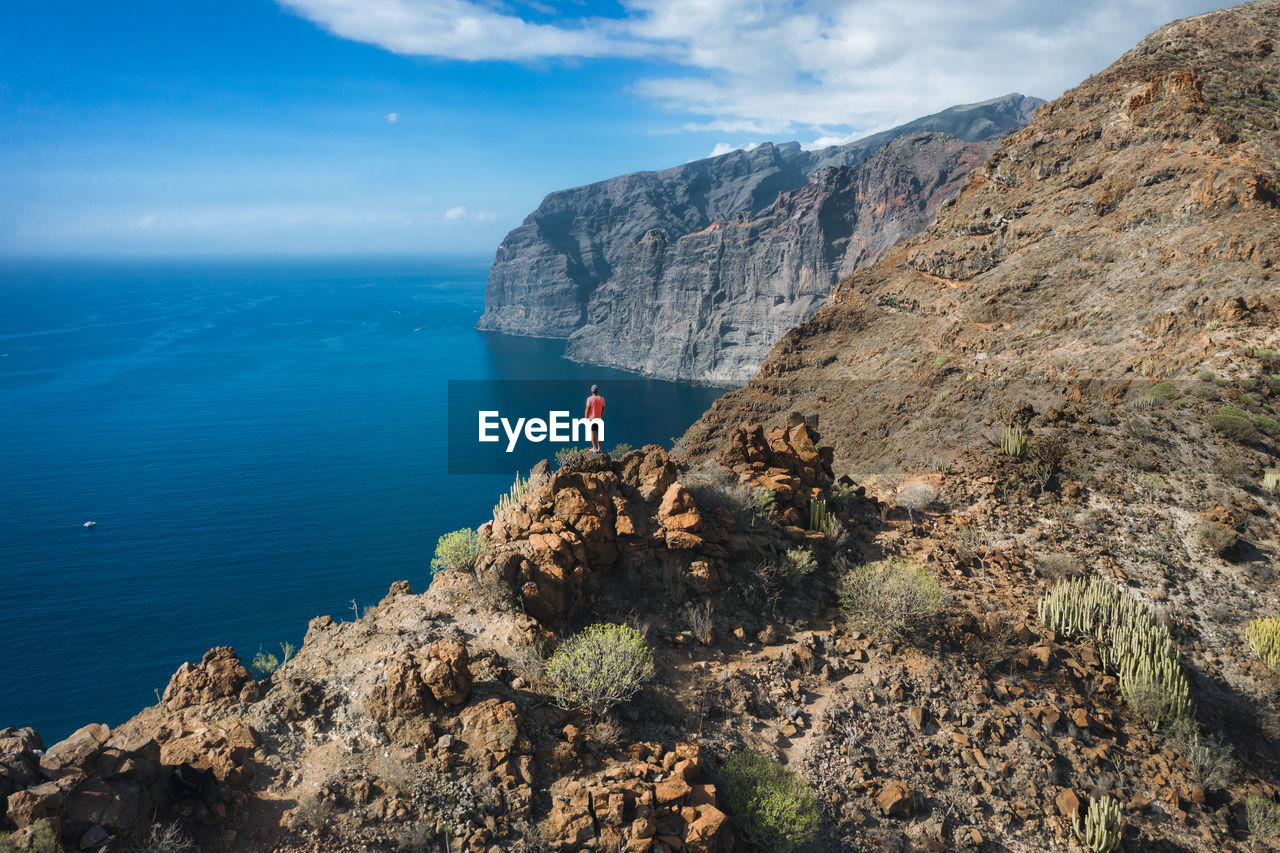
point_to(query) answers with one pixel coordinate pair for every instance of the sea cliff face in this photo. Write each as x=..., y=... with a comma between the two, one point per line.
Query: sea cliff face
x=573, y=262
x=707, y=306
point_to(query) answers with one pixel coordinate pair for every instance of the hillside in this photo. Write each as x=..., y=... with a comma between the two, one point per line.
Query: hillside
x=682, y=263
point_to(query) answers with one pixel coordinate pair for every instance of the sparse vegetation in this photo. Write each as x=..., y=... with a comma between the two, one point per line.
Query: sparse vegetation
x=1263, y=634
x=1205, y=392
x=1057, y=566
x=763, y=500
x=1131, y=641
x=713, y=487
x=702, y=621
x=1013, y=441
x=1205, y=375
x=165, y=838
x=941, y=361
x=570, y=458
x=798, y=564
x=843, y=496
x=599, y=667
x=889, y=599
x=1264, y=817
x=1101, y=828
x=1207, y=754
x=916, y=497
x=1163, y=391
x=459, y=551
x=1216, y=538
x=620, y=449
x=770, y=806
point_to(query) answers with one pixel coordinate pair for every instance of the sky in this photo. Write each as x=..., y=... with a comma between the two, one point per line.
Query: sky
x=298, y=127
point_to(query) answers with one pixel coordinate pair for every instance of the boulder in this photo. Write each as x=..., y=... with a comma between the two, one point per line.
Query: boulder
x=76, y=755
x=220, y=676
x=446, y=671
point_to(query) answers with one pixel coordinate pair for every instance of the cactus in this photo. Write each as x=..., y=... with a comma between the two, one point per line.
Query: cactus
x=819, y=518
x=1264, y=636
x=1271, y=480
x=1100, y=830
x=1130, y=641
x=1013, y=441
x=512, y=497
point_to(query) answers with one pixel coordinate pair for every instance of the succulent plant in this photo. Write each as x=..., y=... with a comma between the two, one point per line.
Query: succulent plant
x=819, y=518
x=1013, y=441
x=1100, y=830
x=1131, y=642
x=1264, y=636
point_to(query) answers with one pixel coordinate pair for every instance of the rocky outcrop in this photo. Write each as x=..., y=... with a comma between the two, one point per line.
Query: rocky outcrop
x=627, y=232
x=707, y=306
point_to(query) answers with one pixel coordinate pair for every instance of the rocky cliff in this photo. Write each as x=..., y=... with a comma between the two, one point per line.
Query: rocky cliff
x=707, y=306
x=546, y=272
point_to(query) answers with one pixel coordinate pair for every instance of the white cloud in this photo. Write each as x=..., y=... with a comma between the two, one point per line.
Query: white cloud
x=725, y=148
x=461, y=213
x=817, y=68
x=393, y=117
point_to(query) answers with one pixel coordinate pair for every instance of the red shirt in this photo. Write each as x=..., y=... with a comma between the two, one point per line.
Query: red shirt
x=595, y=406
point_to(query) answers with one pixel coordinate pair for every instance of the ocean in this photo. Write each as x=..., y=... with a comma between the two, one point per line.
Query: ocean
x=256, y=442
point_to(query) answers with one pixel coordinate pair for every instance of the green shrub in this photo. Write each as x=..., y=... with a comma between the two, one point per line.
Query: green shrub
x=941, y=361
x=763, y=500
x=844, y=496
x=1101, y=829
x=889, y=599
x=599, y=667
x=1162, y=391
x=1264, y=817
x=1205, y=376
x=264, y=664
x=1208, y=755
x=770, y=806
x=1235, y=424
x=459, y=551
x=1267, y=424
x=620, y=449
x=1130, y=640
x=1013, y=441
x=1205, y=392
x=798, y=564
x=1263, y=634
x=41, y=840
x=569, y=458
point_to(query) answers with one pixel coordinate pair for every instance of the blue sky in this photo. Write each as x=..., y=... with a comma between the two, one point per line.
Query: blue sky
x=423, y=126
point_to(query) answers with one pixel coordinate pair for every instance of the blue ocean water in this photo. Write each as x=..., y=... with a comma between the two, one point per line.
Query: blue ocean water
x=258, y=442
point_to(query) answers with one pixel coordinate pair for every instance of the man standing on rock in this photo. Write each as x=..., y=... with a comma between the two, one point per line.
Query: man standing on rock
x=595, y=409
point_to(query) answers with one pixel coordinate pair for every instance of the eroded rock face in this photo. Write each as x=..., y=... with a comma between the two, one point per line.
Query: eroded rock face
x=627, y=810
x=219, y=676
x=693, y=272
x=626, y=518
x=707, y=306
x=419, y=681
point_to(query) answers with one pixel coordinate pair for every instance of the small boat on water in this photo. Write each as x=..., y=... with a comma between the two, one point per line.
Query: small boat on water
x=91, y=524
